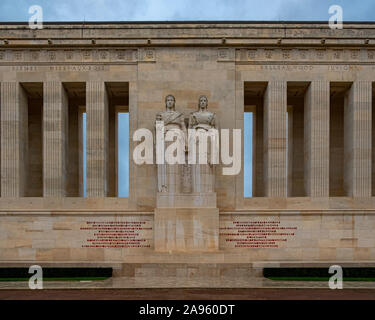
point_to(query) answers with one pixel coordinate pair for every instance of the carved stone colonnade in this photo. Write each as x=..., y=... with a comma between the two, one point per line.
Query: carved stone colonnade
x=57, y=122
x=358, y=124
x=316, y=102
x=226, y=62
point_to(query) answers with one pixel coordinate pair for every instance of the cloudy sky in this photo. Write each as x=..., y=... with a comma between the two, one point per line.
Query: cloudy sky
x=124, y=10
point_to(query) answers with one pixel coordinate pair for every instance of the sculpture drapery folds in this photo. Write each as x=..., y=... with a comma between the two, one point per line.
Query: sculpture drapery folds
x=197, y=174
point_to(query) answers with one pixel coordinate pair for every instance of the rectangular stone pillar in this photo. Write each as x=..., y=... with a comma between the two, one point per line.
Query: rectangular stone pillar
x=258, y=190
x=14, y=137
x=357, y=139
x=275, y=104
x=55, y=130
x=97, y=139
x=316, y=142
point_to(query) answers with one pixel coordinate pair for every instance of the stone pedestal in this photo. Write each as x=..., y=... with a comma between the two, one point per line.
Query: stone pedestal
x=186, y=229
x=186, y=200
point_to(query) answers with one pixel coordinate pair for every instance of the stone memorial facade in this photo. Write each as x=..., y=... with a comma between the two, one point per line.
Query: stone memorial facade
x=311, y=92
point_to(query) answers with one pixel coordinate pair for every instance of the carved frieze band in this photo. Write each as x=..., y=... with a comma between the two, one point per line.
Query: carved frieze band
x=78, y=55
x=319, y=55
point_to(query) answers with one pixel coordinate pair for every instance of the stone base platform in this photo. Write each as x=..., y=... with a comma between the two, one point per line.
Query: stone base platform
x=186, y=200
x=186, y=230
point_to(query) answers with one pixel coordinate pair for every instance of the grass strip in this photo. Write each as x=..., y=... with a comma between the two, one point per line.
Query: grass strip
x=317, y=279
x=57, y=279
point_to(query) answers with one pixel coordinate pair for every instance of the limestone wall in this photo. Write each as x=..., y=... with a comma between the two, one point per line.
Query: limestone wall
x=314, y=174
x=251, y=235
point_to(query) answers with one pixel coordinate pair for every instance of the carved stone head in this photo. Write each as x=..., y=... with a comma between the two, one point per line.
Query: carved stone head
x=202, y=103
x=170, y=102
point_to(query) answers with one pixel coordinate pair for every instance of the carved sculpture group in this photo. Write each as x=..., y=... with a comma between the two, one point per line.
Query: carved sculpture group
x=201, y=119
x=196, y=178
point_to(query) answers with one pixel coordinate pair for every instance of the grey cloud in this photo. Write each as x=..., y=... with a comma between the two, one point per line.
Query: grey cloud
x=123, y=10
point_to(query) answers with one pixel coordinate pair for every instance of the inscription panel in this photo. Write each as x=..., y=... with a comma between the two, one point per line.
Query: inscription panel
x=286, y=236
x=83, y=237
x=255, y=232
x=126, y=232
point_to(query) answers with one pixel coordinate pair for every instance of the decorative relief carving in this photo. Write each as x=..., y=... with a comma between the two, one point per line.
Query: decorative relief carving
x=304, y=54
x=86, y=54
x=35, y=55
x=103, y=54
x=320, y=54
x=74, y=56
x=125, y=55
x=337, y=54
x=355, y=54
x=252, y=54
x=268, y=53
x=120, y=54
x=17, y=55
x=149, y=55
x=286, y=54
x=69, y=54
x=51, y=54
x=225, y=54
x=146, y=55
